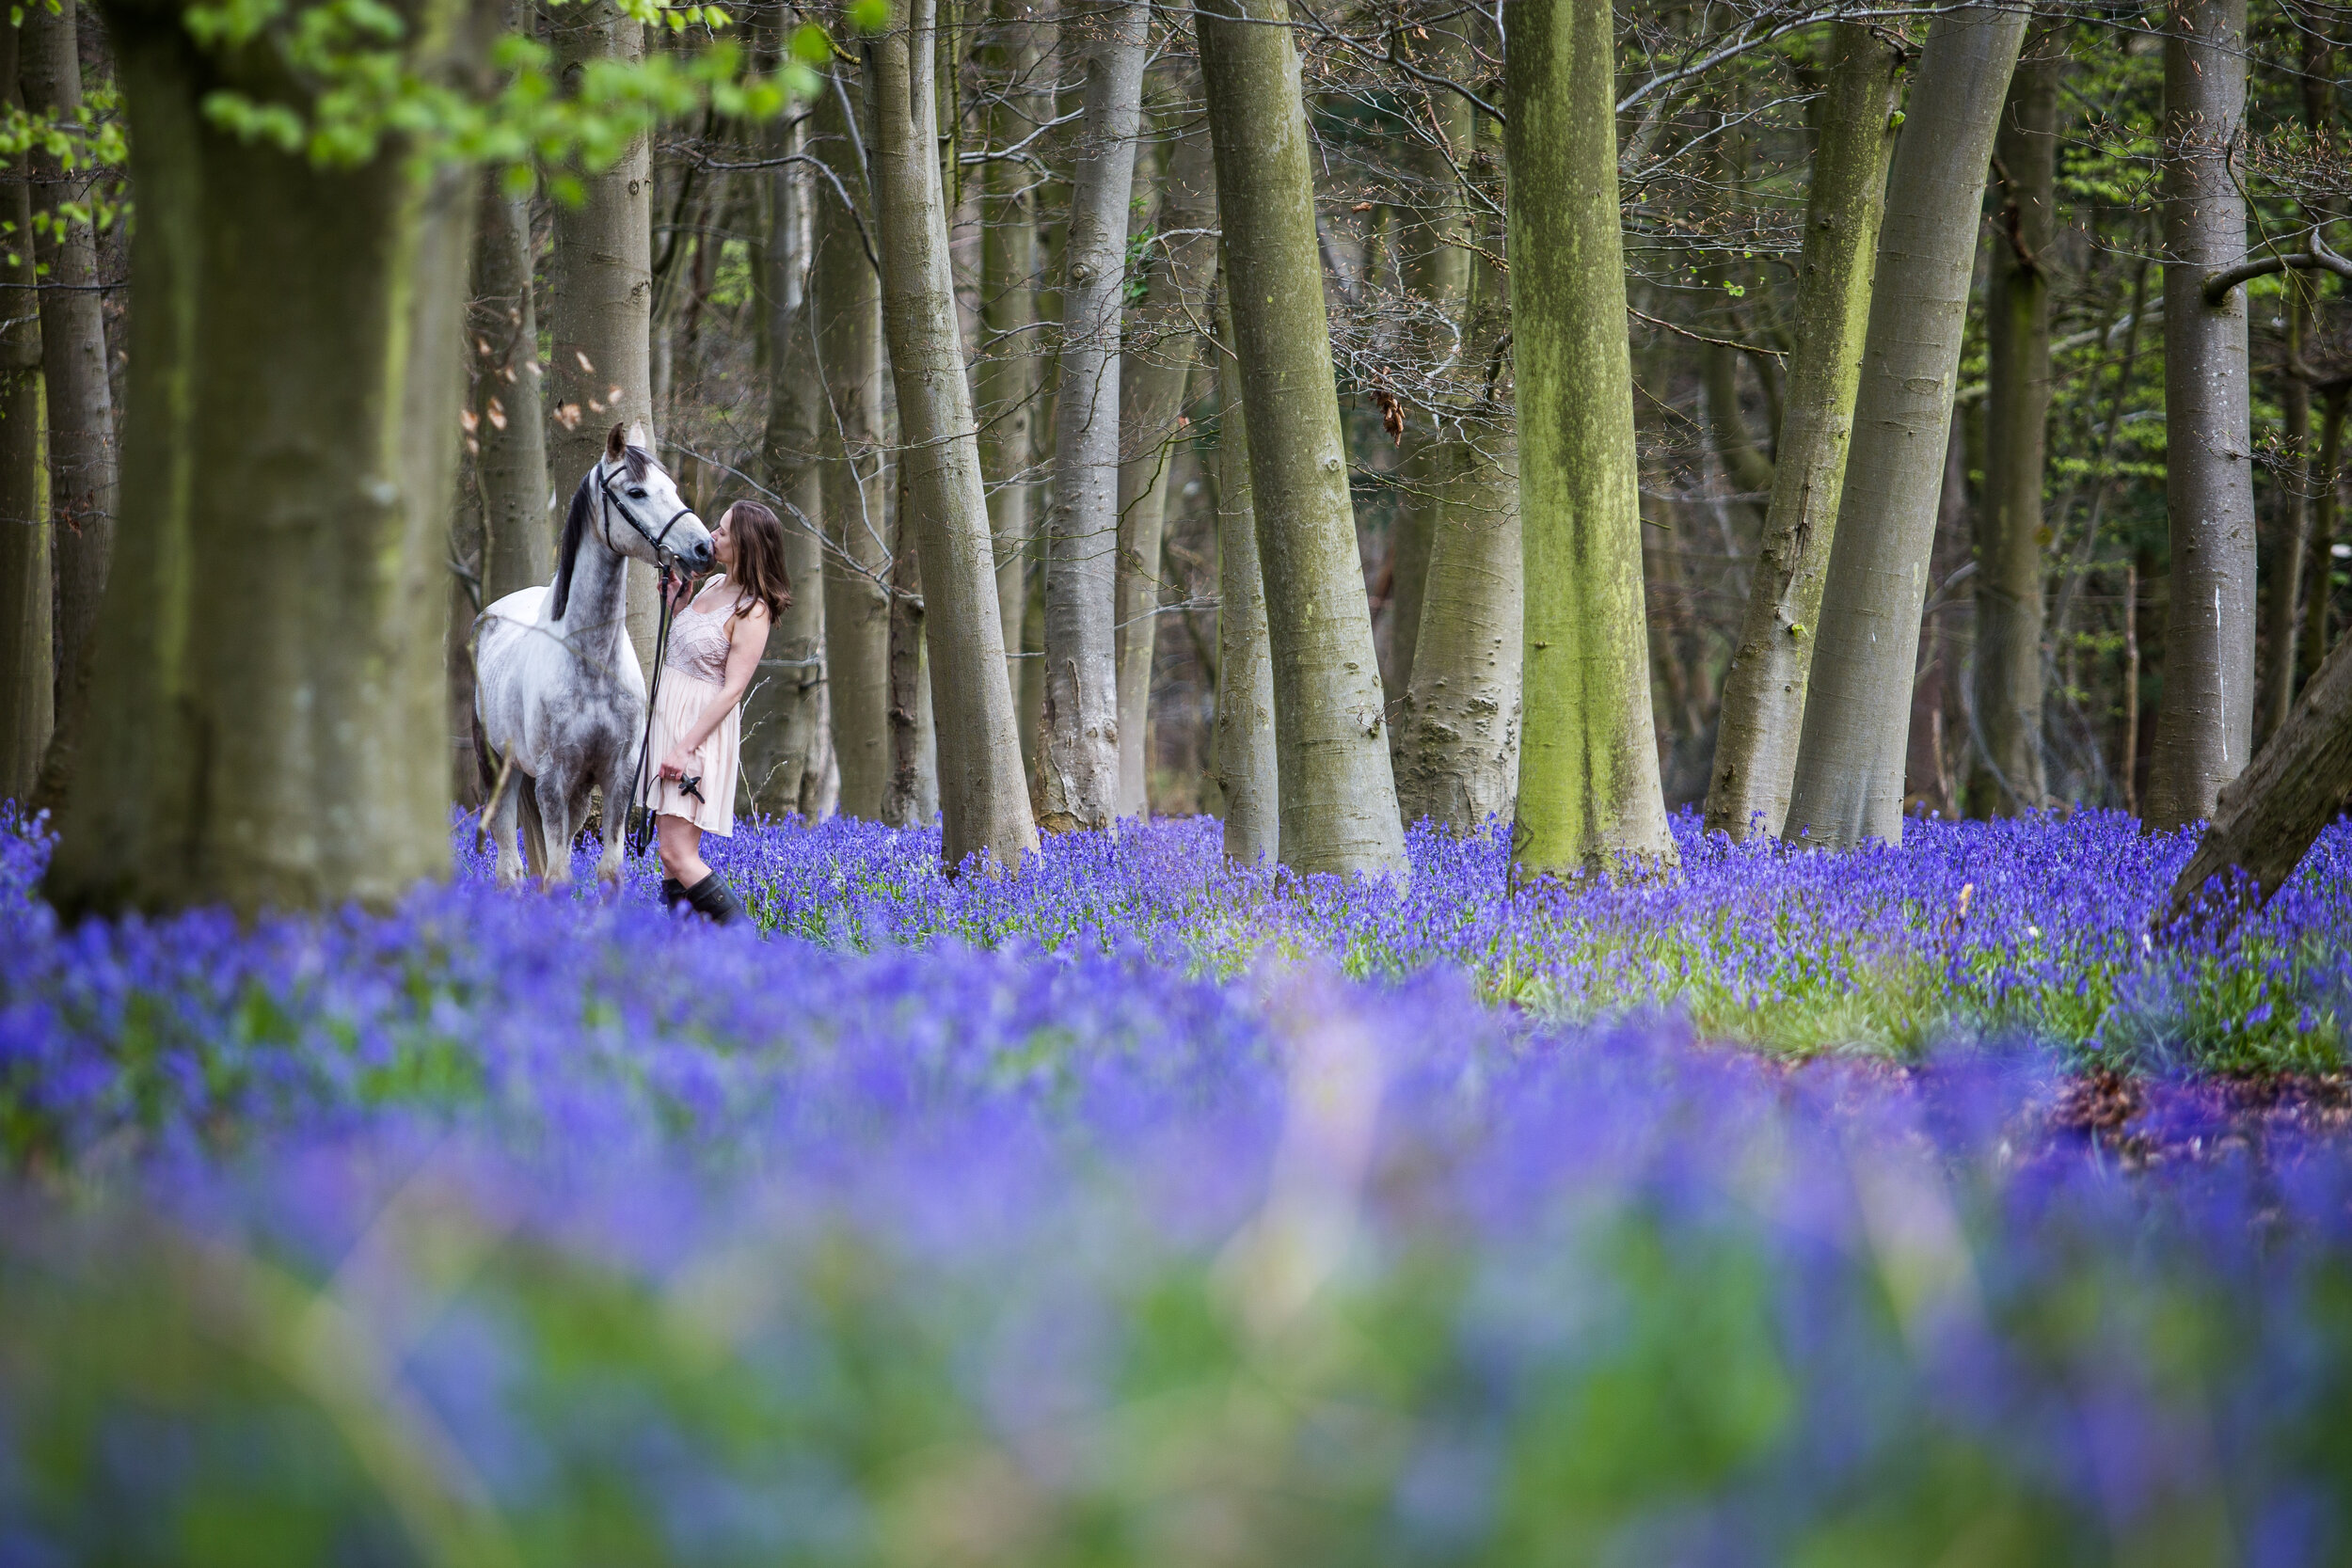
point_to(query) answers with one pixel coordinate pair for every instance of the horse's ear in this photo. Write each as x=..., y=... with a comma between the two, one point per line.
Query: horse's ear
x=639, y=436
x=568, y=555
x=616, y=443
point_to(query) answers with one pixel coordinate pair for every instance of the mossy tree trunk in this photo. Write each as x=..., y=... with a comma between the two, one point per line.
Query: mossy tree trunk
x=1338, y=796
x=1080, y=762
x=984, y=804
x=266, y=724
x=1764, y=688
x=509, y=428
x=2205, y=724
x=600, y=295
x=846, y=290
x=27, y=678
x=787, y=732
x=1849, y=783
x=2008, y=539
x=1155, y=366
x=79, y=400
x=1588, y=792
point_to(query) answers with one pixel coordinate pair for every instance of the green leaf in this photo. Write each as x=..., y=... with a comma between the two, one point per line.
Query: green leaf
x=869, y=16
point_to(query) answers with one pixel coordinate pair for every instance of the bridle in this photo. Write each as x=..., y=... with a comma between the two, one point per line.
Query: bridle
x=663, y=556
x=641, y=834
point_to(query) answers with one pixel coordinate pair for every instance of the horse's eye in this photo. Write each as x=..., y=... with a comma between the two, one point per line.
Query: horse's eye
x=636, y=492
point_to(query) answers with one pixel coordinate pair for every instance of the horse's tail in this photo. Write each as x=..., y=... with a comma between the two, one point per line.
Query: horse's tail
x=481, y=751
x=535, y=832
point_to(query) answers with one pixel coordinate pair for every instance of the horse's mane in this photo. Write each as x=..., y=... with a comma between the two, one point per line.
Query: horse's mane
x=639, y=463
x=575, y=525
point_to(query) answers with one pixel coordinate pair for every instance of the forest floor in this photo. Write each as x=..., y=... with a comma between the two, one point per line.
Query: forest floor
x=1901, y=1206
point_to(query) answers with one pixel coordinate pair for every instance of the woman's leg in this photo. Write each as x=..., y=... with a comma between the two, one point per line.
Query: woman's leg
x=679, y=843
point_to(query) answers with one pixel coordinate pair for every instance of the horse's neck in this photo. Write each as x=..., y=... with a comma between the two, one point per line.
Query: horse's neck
x=596, y=614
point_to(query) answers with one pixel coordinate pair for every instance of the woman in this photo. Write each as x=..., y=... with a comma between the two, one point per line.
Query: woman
x=716, y=640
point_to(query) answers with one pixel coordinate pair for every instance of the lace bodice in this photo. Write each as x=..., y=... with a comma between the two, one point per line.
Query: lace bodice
x=698, y=640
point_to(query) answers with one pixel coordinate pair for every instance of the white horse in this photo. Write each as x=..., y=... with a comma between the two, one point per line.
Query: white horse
x=558, y=691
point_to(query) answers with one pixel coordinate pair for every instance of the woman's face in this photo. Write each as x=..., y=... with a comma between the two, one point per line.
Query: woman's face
x=723, y=540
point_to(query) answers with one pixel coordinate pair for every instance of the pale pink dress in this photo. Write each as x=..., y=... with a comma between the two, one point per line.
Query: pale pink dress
x=691, y=679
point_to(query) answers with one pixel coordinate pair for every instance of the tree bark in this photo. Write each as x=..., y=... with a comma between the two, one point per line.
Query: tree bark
x=1248, y=768
x=510, y=429
x=600, y=295
x=2319, y=564
x=1589, y=791
x=1338, y=796
x=2300, y=782
x=984, y=808
x=1081, y=751
x=1434, y=267
x=1161, y=346
x=1459, y=760
x=1849, y=783
x=82, y=475
x=2290, y=521
x=1005, y=377
x=285, y=611
x=28, y=680
x=787, y=730
x=902, y=796
x=2008, y=585
x=847, y=290
x=1764, y=688
x=2205, y=724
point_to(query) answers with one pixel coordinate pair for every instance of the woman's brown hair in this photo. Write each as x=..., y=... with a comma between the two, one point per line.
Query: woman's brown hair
x=758, y=573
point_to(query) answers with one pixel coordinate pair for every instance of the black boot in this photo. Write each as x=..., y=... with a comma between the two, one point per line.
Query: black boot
x=715, y=899
x=672, y=892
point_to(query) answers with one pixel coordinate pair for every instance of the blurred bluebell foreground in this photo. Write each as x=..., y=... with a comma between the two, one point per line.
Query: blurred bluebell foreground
x=1143, y=1212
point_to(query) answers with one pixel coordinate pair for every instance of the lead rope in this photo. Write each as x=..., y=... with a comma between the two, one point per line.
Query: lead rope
x=640, y=831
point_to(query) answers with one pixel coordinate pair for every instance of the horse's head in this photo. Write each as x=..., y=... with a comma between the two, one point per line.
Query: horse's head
x=629, y=503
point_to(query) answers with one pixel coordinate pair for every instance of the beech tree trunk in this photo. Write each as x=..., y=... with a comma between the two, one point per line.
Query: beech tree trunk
x=1081, y=742
x=82, y=476
x=1459, y=760
x=2205, y=724
x=510, y=430
x=1338, y=796
x=266, y=722
x=1433, y=266
x=1589, y=791
x=2290, y=521
x=1849, y=783
x=2319, y=564
x=2300, y=780
x=984, y=807
x=27, y=680
x=1155, y=365
x=847, y=290
x=600, y=295
x=1764, y=688
x=787, y=730
x=2008, y=585
x=1006, y=376
x=1247, y=769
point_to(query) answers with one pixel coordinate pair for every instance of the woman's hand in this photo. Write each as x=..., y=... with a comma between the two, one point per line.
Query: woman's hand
x=675, y=765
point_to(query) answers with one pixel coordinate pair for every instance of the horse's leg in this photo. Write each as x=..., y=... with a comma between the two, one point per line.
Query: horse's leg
x=558, y=824
x=534, y=833
x=620, y=792
x=501, y=828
